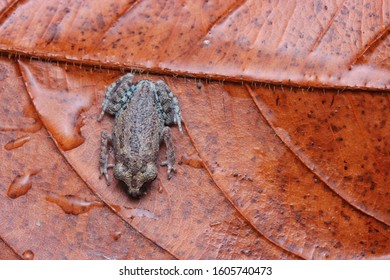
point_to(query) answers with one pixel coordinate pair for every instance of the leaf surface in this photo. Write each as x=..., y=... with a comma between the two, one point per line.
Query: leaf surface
x=285, y=152
x=343, y=138
x=189, y=205
x=281, y=197
x=264, y=41
x=56, y=216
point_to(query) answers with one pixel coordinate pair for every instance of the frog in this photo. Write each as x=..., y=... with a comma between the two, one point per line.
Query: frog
x=144, y=112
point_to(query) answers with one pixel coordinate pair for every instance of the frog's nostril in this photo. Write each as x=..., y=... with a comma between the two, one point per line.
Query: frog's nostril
x=134, y=183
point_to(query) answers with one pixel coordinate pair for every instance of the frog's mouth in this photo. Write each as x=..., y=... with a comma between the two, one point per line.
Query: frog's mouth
x=138, y=193
x=134, y=189
x=134, y=184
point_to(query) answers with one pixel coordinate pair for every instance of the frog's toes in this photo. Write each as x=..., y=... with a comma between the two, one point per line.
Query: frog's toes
x=169, y=172
x=171, y=168
x=104, y=172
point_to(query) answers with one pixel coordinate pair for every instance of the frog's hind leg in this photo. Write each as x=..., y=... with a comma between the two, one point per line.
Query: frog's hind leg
x=170, y=152
x=104, y=165
x=117, y=95
x=169, y=105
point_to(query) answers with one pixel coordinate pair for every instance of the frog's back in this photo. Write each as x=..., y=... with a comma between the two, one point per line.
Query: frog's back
x=138, y=125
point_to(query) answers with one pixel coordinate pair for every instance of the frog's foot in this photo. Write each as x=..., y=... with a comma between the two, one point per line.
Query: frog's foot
x=169, y=105
x=117, y=95
x=171, y=168
x=104, y=165
x=104, y=172
x=170, y=153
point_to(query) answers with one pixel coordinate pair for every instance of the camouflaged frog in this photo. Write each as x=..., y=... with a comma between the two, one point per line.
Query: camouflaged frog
x=143, y=112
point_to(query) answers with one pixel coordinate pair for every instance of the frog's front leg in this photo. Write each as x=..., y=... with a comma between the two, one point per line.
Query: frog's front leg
x=170, y=152
x=104, y=165
x=117, y=95
x=169, y=105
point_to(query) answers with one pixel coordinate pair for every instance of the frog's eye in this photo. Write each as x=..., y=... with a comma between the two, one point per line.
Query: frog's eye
x=151, y=171
x=120, y=171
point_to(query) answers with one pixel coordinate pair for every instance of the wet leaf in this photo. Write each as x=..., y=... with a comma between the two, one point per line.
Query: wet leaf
x=35, y=227
x=289, y=165
x=342, y=138
x=268, y=184
x=6, y=252
x=195, y=220
x=317, y=43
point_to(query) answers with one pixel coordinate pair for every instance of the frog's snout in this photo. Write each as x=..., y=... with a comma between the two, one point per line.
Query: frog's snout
x=135, y=187
x=135, y=193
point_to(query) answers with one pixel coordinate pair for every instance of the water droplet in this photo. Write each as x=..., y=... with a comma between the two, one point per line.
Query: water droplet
x=206, y=42
x=59, y=101
x=115, y=207
x=72, y=204
x=138, y=212
x=28, y=255
x=213, y=224
x=30, y=123
x=36, y=124
x=192, y=161
x=21, y=184
x=246, y=252
x=116, y=235
x=16, y=143
x=260, y=151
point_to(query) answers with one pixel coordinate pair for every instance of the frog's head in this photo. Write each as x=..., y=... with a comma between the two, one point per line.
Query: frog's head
x=136, y=178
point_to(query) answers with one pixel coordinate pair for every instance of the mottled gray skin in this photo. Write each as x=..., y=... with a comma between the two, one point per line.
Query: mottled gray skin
x=142, y=112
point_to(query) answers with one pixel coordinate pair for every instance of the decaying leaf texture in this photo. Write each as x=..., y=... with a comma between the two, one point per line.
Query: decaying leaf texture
x=312, y=43
x=35, y=227
x=297, y=168
x=6, y=252
x=343, y=138
x=186, y=215
x=268, y=184
x=4, y=5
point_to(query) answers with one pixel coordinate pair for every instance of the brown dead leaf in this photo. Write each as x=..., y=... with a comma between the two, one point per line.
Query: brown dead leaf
x=281, y=171
x=271, y=187
x=195, y=220
x=316, y=43
x=6, y=252
x=342, y=138
x=40, y=228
